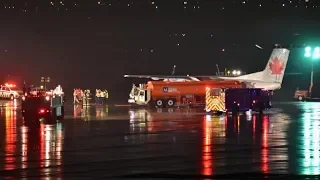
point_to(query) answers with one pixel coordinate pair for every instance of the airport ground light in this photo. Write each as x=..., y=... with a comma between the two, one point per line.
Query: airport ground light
x=313, y=54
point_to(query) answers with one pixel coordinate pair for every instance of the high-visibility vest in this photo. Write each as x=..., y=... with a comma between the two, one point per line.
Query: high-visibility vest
x=106, y=94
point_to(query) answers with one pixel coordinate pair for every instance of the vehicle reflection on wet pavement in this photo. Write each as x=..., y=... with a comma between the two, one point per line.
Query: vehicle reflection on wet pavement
x=106, y=141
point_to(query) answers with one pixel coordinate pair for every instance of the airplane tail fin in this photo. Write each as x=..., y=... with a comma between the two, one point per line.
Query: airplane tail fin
x=275, y=67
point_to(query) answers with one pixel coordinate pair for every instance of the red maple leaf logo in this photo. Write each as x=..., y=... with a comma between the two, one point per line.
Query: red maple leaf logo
x=276, y=66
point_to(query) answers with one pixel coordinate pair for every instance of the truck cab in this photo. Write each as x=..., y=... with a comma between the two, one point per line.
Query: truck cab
x=140, y=95
x=40, y=103
x=237, y=100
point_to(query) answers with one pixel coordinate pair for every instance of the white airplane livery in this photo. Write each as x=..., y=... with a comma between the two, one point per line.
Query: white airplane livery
x=269, y=79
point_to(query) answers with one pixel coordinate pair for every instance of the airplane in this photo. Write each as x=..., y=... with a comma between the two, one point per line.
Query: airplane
x=269, y=79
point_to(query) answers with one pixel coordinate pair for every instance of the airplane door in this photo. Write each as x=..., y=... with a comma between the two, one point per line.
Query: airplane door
x=145, y=95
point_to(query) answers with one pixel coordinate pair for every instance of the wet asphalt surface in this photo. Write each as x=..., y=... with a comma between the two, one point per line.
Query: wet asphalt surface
x=108, y=142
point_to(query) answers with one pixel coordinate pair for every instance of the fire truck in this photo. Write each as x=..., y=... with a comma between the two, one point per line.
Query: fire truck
x=237, y=100
x=38, y=103
x=169, y=94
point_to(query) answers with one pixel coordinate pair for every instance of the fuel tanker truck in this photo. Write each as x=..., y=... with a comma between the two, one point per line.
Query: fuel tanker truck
x=169, y=94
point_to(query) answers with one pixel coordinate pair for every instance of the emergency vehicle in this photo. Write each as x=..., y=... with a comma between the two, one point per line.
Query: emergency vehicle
x=168, y=94
x=237, y=100
x=39, y=103
x=6, y=92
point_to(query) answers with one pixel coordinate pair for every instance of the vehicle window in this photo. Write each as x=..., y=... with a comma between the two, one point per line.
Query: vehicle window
x=7, y=89
x=198, y=98
x=2, y=88
x=215, y=92
x=141, y=93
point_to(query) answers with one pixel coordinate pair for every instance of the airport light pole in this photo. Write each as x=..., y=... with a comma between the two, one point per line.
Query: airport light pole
x=45, y=80
x=315, y=55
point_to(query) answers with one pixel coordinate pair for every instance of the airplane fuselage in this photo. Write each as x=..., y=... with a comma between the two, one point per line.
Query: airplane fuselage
x=256, y=83
x=266, y=85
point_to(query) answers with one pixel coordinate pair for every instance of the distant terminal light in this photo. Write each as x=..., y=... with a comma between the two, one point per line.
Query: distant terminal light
x=236, y=72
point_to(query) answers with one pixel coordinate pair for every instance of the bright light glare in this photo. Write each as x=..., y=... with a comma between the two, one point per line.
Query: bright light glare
x=234, y=72
x=316, y=53
x=308, y=49
x=307, y=54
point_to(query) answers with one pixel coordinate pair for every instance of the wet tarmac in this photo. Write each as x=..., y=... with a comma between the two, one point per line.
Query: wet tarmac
x=113, y=142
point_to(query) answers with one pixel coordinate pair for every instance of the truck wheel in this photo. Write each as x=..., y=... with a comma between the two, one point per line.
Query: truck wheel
x=170, y=102
x=235, y=109
x=261, y=108
x=62, y=114
x=54, y=114
x=159, y=103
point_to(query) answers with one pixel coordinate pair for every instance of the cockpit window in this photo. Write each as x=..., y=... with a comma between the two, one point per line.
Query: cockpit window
x=141, y=93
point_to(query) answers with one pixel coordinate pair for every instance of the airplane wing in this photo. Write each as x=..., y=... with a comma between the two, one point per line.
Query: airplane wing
x=174, y=78
x=186, y=78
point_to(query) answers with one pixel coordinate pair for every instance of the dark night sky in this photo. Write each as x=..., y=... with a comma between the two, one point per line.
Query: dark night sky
x=93, y=45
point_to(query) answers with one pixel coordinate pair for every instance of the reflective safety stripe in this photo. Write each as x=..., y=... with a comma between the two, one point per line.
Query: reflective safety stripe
x=5, y=95
x=215, y=103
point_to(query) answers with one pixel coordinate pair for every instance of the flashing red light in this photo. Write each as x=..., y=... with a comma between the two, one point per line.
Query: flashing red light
x=42, y=111
x=10, y=85
x=254, y=101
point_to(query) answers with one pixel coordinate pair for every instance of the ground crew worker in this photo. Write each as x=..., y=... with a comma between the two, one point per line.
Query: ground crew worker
x=88, y=96
x=102, y=97
x=97, y=96
x=106, y=95
x=74, y=96
x=84, y=99
x=81, y=95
